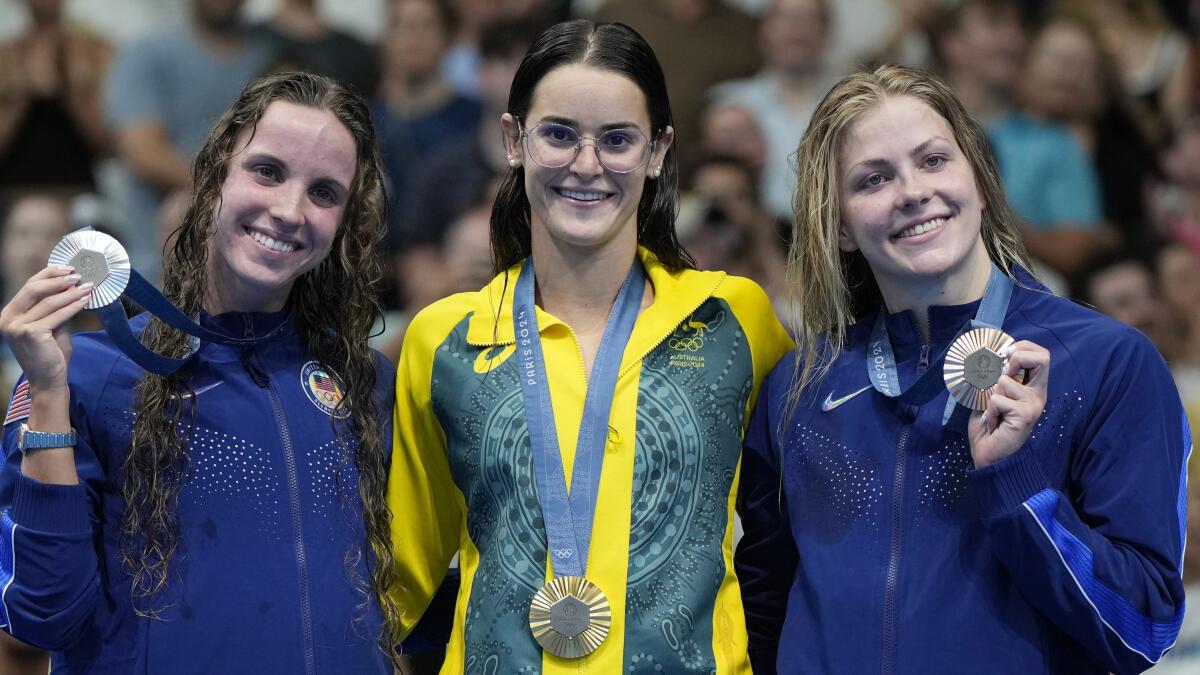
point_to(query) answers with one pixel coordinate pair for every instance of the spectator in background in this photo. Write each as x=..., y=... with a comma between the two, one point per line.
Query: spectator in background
x=464, y=58
x=1153, y=61
x=1175, y=201
x=450, y=182
x=51, y=122
x=783, y=95
x=907, y=39
x=734, y=232
x=33, y=225
x=163, y=96
x=980, y=44
x=1050, y=180
x=1178, y=272
x=728, y=129
x=303, y=40
x=417, y=112
x=1123, y=286
x=699, y=43
x=1069, y=80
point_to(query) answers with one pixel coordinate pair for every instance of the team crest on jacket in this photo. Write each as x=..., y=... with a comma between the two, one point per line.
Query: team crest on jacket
x=323, y=388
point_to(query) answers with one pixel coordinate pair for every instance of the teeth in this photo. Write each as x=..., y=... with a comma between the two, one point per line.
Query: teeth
x=922, y=228
x=273, y=244
x=582, y=196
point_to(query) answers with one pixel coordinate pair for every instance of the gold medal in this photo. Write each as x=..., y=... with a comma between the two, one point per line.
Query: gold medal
x=974, y=365
x=97, y=258
x=570, y=617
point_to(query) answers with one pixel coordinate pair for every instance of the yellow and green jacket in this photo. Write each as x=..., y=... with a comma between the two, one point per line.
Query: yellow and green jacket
x=462, y=478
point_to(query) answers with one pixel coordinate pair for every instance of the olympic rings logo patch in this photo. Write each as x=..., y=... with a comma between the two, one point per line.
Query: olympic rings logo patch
x=689, y=337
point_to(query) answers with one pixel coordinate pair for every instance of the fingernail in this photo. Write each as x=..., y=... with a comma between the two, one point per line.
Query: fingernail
x=72, y=278
x=86, y=284
x=66, y=268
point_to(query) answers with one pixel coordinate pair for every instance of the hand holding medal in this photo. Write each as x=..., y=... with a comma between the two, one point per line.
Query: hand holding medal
x=100, y=262
x=1010, y=406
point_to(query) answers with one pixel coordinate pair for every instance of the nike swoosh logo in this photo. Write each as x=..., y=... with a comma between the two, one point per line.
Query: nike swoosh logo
x=830, y=403
x=203, y=389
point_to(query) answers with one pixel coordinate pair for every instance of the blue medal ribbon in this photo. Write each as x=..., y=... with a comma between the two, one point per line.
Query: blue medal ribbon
x=568, y=515
x=881, y=360
x=116, y=324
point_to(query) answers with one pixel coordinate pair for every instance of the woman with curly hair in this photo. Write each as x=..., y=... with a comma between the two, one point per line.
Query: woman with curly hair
x=229, y=517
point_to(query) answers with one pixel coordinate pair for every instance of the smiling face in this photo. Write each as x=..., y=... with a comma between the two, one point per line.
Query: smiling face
x=582, y=204
x=910, y=203
x=288, y=184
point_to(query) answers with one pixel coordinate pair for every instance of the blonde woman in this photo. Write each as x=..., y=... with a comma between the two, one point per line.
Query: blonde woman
x=890, y=528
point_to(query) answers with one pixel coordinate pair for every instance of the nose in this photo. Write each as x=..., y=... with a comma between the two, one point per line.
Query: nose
x=914, y=193
x=587, y=160
x=287, y=206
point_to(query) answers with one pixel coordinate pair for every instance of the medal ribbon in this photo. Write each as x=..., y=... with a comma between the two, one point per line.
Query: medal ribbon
x=881, y=360
x=116, y=324
x=568, y=516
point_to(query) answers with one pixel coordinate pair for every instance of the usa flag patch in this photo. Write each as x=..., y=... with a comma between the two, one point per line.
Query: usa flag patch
x=18, y=408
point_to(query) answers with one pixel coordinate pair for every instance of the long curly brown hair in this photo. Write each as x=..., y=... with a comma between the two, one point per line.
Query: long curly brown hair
x=333, y=326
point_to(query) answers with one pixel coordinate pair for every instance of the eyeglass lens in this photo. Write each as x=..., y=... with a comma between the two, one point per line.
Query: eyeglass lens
x=556, y=145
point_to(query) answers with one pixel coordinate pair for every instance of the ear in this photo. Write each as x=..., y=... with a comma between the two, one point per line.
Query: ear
x=511, y=132
x=846, y=239
x=660, y=152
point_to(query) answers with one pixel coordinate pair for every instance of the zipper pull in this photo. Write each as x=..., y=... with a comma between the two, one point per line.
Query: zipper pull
x=924, y=357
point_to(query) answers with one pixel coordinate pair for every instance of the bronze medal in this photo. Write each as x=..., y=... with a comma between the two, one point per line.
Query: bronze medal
x=974, y=365
x=570, y=617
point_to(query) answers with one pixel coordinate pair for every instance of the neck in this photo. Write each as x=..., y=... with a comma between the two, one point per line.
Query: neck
x=966, y=284
x=580, y=286
x=225, y=294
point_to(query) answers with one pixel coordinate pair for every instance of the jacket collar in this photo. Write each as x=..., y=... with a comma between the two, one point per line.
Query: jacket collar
x=676, y=295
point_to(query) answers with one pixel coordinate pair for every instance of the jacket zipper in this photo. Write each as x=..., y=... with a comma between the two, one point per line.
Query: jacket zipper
x=289, y=458
x=893, y=569
x=691, y=310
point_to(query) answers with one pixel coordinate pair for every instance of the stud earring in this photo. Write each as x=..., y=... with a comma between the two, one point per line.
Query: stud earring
x=514, y=162
x=658, y=172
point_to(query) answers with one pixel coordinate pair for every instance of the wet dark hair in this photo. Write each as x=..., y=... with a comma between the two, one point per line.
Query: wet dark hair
x=609, y=46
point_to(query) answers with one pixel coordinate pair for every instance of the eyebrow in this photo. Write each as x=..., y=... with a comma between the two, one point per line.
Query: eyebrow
x=568, y=122
x=268, y=157
x=877, y=163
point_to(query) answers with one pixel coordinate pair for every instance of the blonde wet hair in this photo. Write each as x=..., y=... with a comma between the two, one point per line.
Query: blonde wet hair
x=828, y=288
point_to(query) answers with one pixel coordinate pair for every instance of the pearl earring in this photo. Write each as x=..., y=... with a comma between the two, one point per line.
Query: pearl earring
x=657, y=172
x=514, y=162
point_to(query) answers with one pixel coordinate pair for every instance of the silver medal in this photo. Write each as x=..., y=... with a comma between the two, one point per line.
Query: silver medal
x=97, y=258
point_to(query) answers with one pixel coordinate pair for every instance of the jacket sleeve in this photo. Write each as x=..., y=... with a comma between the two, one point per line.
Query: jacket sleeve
x=49, y=572
x=428, y=511
x=766, y=557
x=1102, y=560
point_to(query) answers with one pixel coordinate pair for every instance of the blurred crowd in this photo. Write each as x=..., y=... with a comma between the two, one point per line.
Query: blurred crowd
x=1091, y=108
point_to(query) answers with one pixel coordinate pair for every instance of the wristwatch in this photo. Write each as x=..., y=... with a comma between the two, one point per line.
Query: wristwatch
x=28, y=439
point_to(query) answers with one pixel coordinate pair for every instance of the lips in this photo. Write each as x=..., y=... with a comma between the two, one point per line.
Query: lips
x=921, y=227
x=271, y=243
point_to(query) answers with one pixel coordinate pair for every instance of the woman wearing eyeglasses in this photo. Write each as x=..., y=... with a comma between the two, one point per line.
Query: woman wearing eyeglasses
x=572, y=430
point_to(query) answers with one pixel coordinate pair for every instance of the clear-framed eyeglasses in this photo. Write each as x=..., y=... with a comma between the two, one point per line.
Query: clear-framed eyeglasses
x=555, y=145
